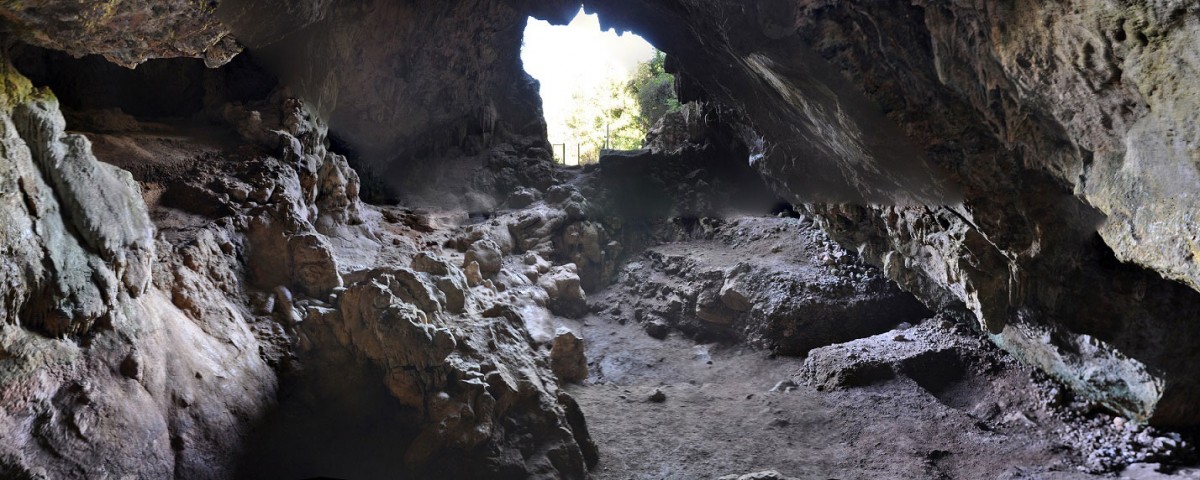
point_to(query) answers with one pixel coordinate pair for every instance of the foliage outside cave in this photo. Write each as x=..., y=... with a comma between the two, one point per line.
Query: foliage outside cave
x=618, y=114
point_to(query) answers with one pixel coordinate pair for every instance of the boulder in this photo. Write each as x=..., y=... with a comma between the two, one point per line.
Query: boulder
x=567, y=357
x=487, y=254
x=566, y=296
x=314, y=269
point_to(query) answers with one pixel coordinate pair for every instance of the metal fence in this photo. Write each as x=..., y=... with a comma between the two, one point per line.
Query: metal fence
x=579, y=154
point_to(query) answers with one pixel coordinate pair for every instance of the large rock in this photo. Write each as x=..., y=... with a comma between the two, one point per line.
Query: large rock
x=467, y=379
x=314, y=268
x=107, y=333
x=927, y=351
x=79, y=235
x=567, y=357
x=565, y=291
x=741, y=284
x=487, y=254
x=127, y=32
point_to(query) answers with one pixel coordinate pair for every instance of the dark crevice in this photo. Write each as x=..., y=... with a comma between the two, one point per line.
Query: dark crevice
x=374, y=188
x=156, y=89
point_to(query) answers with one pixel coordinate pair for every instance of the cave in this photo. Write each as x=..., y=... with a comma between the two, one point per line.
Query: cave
x=928, y=239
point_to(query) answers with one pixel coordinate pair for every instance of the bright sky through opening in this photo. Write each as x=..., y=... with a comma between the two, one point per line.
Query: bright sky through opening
x=577, y=58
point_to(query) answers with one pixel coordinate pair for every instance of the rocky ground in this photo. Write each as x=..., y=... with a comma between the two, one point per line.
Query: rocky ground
x=670, y=397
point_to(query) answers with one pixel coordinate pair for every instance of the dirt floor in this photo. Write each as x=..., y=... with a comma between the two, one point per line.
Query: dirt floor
x=720, y=417
x=730, y=409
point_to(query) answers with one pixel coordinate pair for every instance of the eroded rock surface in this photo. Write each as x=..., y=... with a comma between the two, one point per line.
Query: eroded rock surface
x=453, y=96
x=110, y=331
x=177, y=305
x=1048, y=132
x=777, y=283
x=126, y=33
x=455, y=357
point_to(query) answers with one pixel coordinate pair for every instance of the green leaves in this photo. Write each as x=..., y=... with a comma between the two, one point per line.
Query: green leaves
x=617, y=115
x=654, y=90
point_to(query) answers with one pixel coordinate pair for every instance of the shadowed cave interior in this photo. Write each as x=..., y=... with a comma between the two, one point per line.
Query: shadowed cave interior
x=255, y=239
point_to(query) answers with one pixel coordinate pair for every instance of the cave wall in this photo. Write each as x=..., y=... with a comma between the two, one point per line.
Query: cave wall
x=410, y=87
x=151, y=322
x=1067, y=129
x=173, y=381
x=116, y=357
x=402, y=81
x=1031, y=164
x=163, y=88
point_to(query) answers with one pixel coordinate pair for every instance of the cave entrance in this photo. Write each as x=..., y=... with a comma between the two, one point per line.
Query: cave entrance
x=600, y=89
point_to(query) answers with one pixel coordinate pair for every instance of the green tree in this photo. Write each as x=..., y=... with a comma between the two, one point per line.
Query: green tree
x=654, y=90
x=607, y=117
x=618, y=114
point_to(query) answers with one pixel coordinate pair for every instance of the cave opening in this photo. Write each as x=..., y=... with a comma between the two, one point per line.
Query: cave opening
x=600, y=88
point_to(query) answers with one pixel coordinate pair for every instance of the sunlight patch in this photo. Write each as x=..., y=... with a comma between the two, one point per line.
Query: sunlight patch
x=587, y=95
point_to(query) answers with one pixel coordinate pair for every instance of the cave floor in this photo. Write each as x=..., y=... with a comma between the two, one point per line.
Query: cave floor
x=721, y=417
